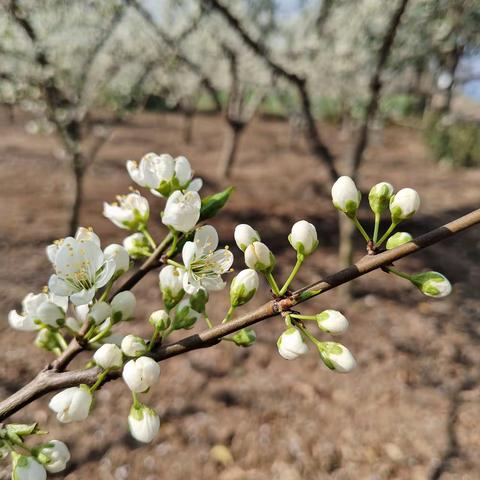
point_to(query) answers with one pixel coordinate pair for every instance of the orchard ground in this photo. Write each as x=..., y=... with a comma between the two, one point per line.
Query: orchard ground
x=410, y=410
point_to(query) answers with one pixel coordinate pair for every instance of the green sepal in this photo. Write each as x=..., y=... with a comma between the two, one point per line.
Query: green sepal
x=245, y=337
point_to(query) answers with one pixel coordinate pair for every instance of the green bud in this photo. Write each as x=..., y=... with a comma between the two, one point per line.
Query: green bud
x=432, y=284
x=198, y=300
x=185, y=316
x=379, y=197
x=398, y=239
x=245, y=337
x=243, y=287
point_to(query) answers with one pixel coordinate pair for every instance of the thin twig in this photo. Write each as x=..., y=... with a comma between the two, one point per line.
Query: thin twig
x=50, y=380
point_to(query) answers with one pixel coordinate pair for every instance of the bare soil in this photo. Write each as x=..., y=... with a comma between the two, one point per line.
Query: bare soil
x=410, y=411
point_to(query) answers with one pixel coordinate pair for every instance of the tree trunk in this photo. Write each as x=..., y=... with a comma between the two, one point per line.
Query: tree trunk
x=188, y=127
x=232, y=138
x=78, y=172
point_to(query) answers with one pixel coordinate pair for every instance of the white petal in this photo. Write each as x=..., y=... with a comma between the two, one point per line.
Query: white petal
x=58, y=286
x=195, y=185
x=189, y=251
x=83, y=297
x=206, y=239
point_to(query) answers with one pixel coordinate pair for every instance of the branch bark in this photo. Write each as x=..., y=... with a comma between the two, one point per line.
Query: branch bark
x=50, y=379
x=318, y=148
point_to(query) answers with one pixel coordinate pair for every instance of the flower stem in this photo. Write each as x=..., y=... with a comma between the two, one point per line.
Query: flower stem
x=147, y=235
x=136, y=402
x=298, y=264
x=153, y=340
x=107, y=290
x=399, y=273
x=391, y=228
x=303, y=317
x=229, y=314
x=377, y=225
x=175, y=264
x=174, y=243
x=103, y=333
x=208, y=321
x=99, y=381
x=361, y=229
x=61, y=341
x=273, y=284
x=308, y=334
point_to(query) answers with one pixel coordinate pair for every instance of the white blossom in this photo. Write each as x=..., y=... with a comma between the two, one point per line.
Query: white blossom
x=259, y=257
x=337, y=357
x=404, y=204
x=243, y=287
x=80, y=269
x=154, y=172
x=46, y=308
x=133, y=346
x=182, y=211
x=27, y=468
x=303, y=237
x=108, y=356
x=130, y=211
x=291, y=345
x=345, y=196
x=137, y=245
x=143, y=423
x=171, y=285
x=332, y=321
x=141, y=374
x=245, y=235
x=123, y=306
x=72, y=404
x=56, y=454
x=120, y=255
x=204, y=265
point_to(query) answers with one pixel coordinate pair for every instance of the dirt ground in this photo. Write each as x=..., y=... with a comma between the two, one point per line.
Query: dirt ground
x=410, y=411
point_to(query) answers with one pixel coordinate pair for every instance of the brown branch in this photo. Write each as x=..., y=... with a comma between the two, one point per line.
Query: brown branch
x=375, y=86
x=51, y=380
x=318, y=148
x=174, y=46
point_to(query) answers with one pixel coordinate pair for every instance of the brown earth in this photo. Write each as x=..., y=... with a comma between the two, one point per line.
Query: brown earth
x=410, y=411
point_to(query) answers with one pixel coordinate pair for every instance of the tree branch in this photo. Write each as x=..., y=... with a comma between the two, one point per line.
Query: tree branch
x=50, y=380
x=375, y=87
x=318, y=148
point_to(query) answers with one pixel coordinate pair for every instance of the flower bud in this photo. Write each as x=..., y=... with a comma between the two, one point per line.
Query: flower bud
x=404, y=204
x=245, y=235
x=245, y=337
x=171, y=285
x=120, y=256
x=72, y=404
x=99, y=312
x=432, y=284
x=345, y=196
x=337, y=357
x=133, y=346
x=259, y=257
x=185, y=316
x=143, y=423
x=27, y=468
x=123, y=306
x=243, y=287
x=398, y=239
x=54, y=456
x=303, y=238
x=199, y=299
x=46, y=339
x=291, y=345
x=137, y=245
x=332, y=321
x=160, y=320
x=130, y=212
x=182, y=211
x=51, y=314
x=379, y=197
x=141, y=374
x=108, y=356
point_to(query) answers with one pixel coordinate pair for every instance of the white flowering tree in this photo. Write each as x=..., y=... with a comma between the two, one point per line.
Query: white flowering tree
x=89, y=295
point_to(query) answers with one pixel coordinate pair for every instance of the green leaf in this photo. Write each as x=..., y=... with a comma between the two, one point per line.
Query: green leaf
x=212, y=204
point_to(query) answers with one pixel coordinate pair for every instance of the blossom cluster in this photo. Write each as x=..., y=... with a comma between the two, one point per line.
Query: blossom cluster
x=83, y=299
